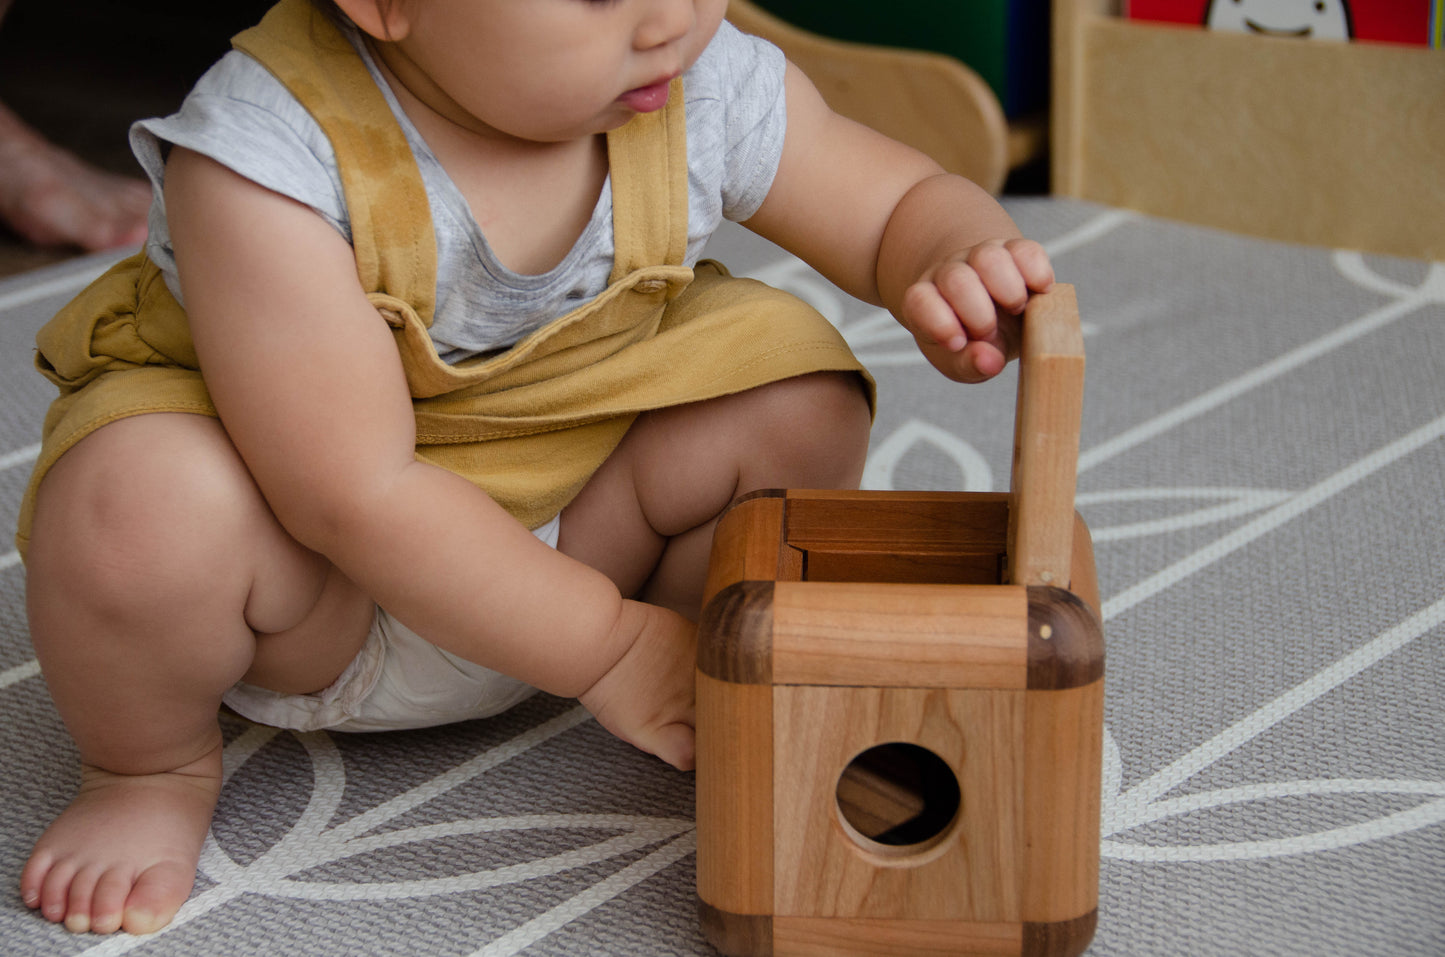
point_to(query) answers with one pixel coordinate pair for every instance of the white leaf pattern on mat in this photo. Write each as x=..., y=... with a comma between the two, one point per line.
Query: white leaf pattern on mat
x=313, y=841
x=974, y=472
x=1144, y=803
x=1237, y=502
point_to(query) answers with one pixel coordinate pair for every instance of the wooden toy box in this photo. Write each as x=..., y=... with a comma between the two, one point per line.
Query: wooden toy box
x=900, y=706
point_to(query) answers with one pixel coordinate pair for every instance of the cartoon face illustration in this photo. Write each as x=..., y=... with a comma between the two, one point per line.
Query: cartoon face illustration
x=1317, y=19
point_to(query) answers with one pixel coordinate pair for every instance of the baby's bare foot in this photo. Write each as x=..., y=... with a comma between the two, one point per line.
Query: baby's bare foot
x=123, y=855
x=52, y=198
x=647, y=697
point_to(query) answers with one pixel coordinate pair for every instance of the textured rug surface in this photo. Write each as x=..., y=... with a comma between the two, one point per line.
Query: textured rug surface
x=1263, y=469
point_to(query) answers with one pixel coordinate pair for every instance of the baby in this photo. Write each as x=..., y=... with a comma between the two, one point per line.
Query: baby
x=440, y=406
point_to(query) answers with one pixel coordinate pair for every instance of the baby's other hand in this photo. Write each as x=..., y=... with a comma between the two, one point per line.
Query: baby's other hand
x=647, y=697
x=964, y=313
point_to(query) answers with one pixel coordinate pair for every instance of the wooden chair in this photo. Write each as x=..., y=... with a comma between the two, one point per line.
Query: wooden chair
x=900, y=702
x=932, y=102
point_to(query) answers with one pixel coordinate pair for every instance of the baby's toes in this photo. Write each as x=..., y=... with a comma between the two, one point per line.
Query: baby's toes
x=107, y=908
x=158, y=893
x=78, y=898
x=53, y=883
x=32, y=881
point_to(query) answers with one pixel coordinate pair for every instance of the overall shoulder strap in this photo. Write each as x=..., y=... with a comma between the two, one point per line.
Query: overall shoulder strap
x=648, y=167
x=391, y=225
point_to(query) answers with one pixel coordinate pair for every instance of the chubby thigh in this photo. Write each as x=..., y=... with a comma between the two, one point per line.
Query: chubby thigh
x=157, y=577
x=646, y=516
x=398, y=680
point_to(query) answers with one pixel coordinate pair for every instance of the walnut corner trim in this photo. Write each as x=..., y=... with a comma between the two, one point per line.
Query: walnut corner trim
x=736, y=935
x=1065, y=938
x=1066, y=640
x=735, y=636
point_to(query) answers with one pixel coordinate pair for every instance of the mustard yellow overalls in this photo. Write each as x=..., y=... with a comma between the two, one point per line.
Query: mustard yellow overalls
x=530, y=425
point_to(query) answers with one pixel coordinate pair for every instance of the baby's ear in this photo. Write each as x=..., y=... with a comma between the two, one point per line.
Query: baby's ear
x=384, y=20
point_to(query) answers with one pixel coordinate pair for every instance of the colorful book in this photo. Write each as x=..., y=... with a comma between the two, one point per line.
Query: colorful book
x=1417, y=22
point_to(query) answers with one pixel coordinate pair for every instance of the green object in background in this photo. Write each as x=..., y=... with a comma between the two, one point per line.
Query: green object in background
x=1005, y=41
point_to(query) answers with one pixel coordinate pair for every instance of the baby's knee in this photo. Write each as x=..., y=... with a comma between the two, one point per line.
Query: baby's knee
x=839, y=400
x=825, y=414
x=128, y=506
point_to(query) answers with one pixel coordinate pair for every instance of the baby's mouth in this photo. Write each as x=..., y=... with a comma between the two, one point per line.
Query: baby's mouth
x=647, y=99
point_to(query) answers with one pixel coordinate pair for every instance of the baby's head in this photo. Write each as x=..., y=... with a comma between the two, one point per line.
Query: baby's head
x=534, y=70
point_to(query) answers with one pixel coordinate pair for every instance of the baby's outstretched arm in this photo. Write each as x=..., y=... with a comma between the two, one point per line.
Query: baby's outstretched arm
x=889, y=226
x=952, y=291
x=660, y=656
x=311, y=390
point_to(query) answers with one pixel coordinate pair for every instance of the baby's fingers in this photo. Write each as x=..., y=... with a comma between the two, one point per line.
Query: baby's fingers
x=1002, y=273
x=932, y=318
x=1032, y=263
x=998, y=275
x=968, y=287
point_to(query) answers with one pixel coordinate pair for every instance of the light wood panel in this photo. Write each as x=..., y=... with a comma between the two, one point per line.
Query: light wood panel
x=1046, y=441
x=735, y=796
x=900, y=635
x=821, y=871
x=830, y=937
x=1063, y=744
x=1338, y=144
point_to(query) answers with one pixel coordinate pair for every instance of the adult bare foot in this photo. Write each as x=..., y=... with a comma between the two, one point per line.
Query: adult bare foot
x=51, y=198
x=123, y=855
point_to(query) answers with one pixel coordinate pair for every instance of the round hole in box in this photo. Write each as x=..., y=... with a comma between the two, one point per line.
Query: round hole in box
x=898, y=798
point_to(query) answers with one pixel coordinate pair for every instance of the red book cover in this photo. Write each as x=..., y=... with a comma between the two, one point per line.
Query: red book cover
x=1391, y=21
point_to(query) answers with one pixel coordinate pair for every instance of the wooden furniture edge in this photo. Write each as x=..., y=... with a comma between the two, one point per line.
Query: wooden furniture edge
x=735, y=634
x=735, y=783
x=1046, y=441
x=931, y=101
x=1063, y=758
x=1067, y=94
x=1084, y=574
x=752, y=935
x=1061, y=938
x=823, y=936
x=748, y=543
x=1066, y=641
x=899, y=635
x=736, y=935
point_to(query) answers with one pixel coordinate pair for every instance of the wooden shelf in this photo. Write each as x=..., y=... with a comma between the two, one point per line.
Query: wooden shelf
x=1339, y=144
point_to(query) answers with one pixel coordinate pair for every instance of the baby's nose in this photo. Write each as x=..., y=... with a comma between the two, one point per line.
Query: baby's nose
x=665, y=21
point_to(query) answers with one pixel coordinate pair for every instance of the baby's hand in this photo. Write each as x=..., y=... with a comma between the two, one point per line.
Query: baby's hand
x=964, y=312
x=647, y=697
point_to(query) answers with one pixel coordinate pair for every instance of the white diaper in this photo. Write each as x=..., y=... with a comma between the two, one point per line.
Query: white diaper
x=398, y=680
